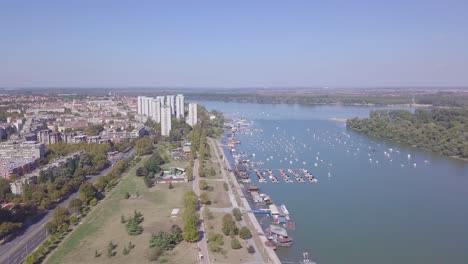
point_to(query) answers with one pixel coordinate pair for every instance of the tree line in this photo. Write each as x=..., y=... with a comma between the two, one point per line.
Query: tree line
x=440, y=130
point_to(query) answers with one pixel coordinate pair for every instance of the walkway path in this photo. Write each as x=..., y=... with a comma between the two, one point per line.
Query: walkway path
x=202, y=244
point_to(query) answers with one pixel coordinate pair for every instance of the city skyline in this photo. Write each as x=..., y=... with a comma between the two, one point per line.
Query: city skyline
x=242, y=44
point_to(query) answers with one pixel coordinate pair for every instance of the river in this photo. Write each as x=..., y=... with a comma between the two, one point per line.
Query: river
x=376, y=202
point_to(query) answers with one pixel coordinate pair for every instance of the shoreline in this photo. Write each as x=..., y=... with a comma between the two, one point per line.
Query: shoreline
x=248, y=209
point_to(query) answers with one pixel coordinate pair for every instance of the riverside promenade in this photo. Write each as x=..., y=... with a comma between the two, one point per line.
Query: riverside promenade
x=244, y=206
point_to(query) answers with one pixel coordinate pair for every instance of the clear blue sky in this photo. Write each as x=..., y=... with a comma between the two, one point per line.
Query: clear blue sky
x=233, y=43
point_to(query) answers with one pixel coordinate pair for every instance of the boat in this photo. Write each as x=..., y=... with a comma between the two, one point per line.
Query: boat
x=279, y=236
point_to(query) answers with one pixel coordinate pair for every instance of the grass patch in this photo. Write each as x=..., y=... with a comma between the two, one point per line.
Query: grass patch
x=103, y=224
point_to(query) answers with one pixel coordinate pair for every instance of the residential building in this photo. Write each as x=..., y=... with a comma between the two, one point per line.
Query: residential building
x=180, y=109
x=21, y=150
x=166, y=122
x=192, y=118
x=170, y=103
x=156, y=110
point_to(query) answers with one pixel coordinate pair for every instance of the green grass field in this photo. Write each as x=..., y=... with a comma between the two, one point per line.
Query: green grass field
x=103, y=224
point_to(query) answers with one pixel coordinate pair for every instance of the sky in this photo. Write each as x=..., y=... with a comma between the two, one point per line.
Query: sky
x=249, y=43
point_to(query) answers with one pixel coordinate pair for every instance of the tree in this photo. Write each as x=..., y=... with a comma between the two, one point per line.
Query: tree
x=171, y=186
x=229, y=226
x=244, y=233
x=125, y=251
x=167, y=241
x=141, y=171
x=110, y=249
x=133, y=224
x=235, y=244
x=75, y=205
x=5, y=191
x=7, y=228
x=191, y=233
x=144, y=146
x=250, y=249
x=61, y=215
x=237, y=214
x=87, y=192
x=189, y=173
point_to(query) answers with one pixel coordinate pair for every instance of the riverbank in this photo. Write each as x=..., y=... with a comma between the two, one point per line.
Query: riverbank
x=245, y=206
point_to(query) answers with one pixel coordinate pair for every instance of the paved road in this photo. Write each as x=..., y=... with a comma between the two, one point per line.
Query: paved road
x=202, y=244
x=15, y=251
x=245, y=205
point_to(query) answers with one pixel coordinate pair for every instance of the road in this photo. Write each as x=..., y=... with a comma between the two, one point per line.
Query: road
x=15, y=251
x=202, y=244
x=245, y=206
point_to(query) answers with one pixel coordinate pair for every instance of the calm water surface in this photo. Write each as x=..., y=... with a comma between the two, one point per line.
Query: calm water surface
x=377, y=205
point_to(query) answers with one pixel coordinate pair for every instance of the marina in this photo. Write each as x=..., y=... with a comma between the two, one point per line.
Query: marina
x=354, y=171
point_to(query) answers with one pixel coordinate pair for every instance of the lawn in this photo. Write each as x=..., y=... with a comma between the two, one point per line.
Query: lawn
x=229, y=255
x=218, y=197
x=213, y=162
x=103, y=224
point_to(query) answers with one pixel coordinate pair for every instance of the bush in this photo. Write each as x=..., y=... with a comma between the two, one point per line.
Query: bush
x=127, y=195
x=203, y=185
x=218, y=239
x=237, y=214
x=97, y=254
x=207, y=213
x=251, y=249
x=235, y=244
x=171, y=186
x=244, y=233
x=226, y=187
x=74, y=220
x=50, y=227
x=154, y=253
x=93, y=201
x=204, y=199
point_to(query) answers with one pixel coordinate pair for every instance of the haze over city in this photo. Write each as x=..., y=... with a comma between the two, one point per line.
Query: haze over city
x=233, y=44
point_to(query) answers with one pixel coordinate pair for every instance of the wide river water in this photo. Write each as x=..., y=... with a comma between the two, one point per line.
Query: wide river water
x=376, y=202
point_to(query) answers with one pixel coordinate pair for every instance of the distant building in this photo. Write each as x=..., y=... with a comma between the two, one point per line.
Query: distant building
x=48, y=137
x=22, y=150
x=166, y=122
x=180, y=109
x=156, y=110
x=170, y=103
x=192, y=118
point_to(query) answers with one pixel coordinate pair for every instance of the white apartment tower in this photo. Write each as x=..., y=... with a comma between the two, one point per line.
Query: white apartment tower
x=192, y=118
x=139, y=105
x=156, y=110
x=166, y=124
x=180, y=106
x=170, y=102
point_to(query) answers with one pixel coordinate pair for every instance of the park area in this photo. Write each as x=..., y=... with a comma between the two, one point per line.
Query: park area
x=225, y=253
x=89, y=243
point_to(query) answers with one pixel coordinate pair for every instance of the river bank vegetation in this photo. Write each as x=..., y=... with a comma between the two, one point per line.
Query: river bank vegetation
x=443, y=131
